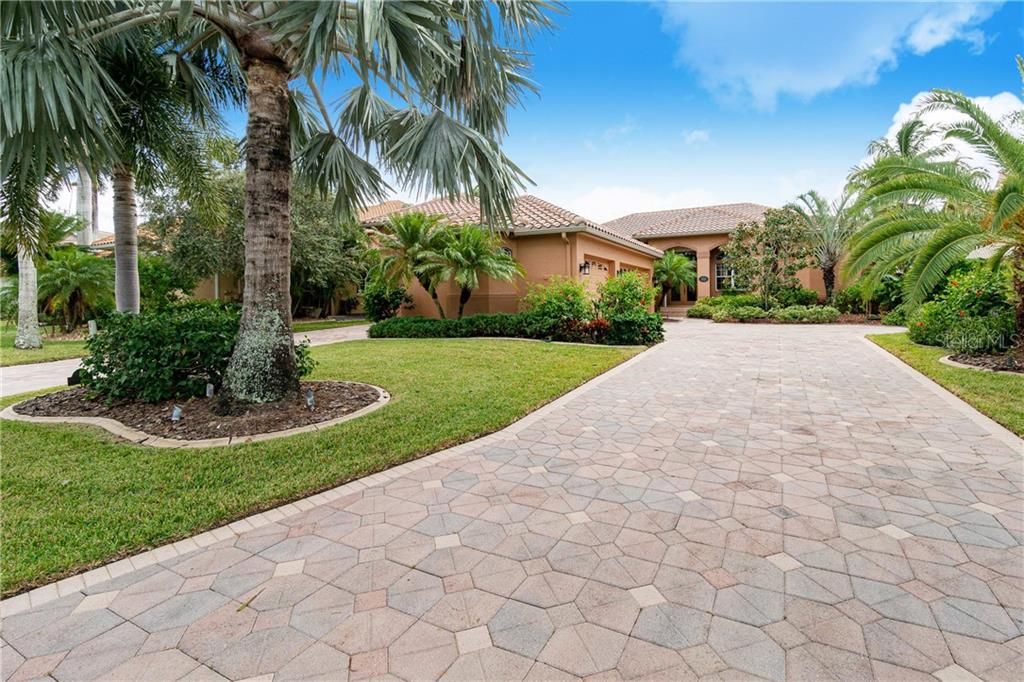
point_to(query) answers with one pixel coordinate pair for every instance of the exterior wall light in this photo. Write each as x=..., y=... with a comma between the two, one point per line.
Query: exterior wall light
x=585, y=267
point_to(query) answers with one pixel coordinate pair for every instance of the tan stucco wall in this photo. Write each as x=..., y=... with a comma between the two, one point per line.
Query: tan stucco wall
x=542, y=257
x=230, y=288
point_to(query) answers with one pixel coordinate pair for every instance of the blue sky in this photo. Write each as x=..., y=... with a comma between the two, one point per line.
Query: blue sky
x=653, y=105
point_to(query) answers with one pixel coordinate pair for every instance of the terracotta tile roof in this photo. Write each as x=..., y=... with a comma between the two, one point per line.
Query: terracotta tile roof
x=529, y=215
x=106, y=239
x=380, y=210
x=719, y=219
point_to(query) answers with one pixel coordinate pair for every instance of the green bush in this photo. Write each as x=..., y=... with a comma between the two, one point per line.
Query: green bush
x=743, y=313
x=624, y=294
x=160, y=283
x=556, y=309
x=787, y=297
x=850, y=299
x=732, y=300
x=897, y=317
x=802, y=314
x=701, y=311
x=991, y=333
x=975, y=293
x=928, y=323
x=381, y=301
x=635, y=328
x=156, y=355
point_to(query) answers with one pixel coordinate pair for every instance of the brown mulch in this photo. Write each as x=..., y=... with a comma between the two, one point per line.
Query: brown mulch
x=1001, y=363
x=332, y=399
x=850, y=318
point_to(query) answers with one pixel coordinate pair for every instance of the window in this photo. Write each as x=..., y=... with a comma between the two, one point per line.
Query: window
x=725, y=274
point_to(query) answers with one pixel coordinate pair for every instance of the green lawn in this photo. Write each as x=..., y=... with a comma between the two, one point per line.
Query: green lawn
x=51, y=350
x=314, y=325
x=73, y=496
x=990, y=393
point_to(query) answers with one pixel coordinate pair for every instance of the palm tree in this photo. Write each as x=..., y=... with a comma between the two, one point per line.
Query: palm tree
x=455, y=67
x=406, y=243
x=468, y=252
x=158, y=139
x=933, y=213
x=829, y=226
x=673, y=270
x=72, y=283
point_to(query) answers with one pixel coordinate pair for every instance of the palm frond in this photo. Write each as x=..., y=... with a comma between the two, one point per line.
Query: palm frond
x=948, y=247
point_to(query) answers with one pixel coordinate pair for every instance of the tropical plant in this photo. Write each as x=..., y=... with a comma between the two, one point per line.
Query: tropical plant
x=674, y=270
x=73, y=284
x=407, y=243
x=157, y=138
x=53, y=229
x=455, y=68
x=767, y=253
x=931, y=212
x=624, y=293
x=381, y=300
x=829, y=226
x=467, y=252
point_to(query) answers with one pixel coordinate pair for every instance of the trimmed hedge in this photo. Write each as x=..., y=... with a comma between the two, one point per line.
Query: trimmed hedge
x=631, y=329
x=738, y=314
x=805, y=314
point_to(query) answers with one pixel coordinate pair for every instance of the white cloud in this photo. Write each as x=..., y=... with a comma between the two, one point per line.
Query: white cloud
x=998, y=106
x=754, y=52
x=623, y=129
x=696, y=137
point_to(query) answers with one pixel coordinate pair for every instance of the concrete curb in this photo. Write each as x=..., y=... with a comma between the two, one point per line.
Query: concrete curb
x=997, y=430
x=948, y=360
x=66, y=586
x=142, y=438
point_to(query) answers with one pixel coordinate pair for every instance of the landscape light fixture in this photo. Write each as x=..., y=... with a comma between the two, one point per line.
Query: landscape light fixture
x=176, y=413
x=310, y=400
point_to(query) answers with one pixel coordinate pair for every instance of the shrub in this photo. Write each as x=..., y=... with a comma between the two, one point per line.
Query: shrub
x=624, y=294
x=786, y=297
x=897, y=317
x=928, y=323
x=160, y=283
x=850, y=299
x=635, y=328
x=157, y=355
x=732, y=300
x=742, y=313
x=701, y=311
x=554, y=310
x=801, y=314
x=975, y=293
x=991, y=333
x=381, y=301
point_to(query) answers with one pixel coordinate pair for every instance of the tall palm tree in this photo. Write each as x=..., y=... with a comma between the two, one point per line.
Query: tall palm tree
x=673, y=270
x=829, y=226
x=158, y=138
x=407, y=242
x=455, y=66
x=468, y=252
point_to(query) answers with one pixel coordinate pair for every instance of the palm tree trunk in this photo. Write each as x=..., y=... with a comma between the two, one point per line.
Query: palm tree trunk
x=828, y=274
x=27, y=335
x=464, y=295
x=432, y=290
x=84, y=206
x=126, y=242
x=262, y=366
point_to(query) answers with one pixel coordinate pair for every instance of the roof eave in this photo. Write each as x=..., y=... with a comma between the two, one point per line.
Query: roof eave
x=589, y=229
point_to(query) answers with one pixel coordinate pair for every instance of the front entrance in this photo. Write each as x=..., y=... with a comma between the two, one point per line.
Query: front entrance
x=683, y=294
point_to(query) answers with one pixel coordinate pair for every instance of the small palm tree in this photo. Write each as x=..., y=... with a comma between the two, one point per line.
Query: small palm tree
x=73, y=283
x=406, y=244
x=467, y=253
x=829, y=226
x=673, y=270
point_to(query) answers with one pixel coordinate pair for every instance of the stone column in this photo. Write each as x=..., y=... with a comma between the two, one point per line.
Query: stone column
x=704, y=272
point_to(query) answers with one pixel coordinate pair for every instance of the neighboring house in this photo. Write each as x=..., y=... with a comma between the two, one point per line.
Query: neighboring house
x=701, y=233
x=546, y=240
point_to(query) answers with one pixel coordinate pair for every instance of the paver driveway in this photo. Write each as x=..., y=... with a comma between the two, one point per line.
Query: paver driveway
x=781, y=502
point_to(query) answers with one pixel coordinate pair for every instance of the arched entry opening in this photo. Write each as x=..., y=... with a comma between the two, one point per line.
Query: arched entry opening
x=682, y=294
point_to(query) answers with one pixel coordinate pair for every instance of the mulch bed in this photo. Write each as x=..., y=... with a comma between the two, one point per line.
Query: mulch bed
x=1000, y=363
x=332, y=399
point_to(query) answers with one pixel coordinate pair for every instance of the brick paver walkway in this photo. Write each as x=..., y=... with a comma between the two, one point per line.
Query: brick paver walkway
x=779, y=502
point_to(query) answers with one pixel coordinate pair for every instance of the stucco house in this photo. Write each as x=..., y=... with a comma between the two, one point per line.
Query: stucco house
x=547, y=240
x=700, y=233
